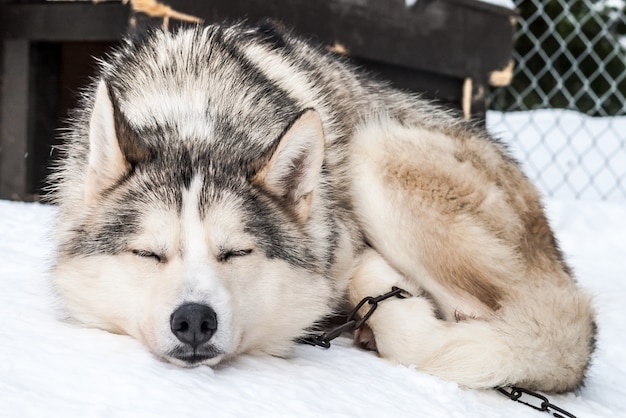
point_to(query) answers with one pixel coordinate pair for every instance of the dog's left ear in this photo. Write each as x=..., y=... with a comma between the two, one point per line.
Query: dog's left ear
x=113, y=146
x=293, y=171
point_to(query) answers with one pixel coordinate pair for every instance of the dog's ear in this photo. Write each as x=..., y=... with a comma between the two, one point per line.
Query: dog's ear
x=293, y=171
x=113, y=146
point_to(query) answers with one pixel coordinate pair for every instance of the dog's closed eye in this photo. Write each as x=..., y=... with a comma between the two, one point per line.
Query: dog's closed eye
x=149, y=254
x=226, y=255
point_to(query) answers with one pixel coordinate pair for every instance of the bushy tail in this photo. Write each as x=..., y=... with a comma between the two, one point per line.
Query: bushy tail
x=547, y=351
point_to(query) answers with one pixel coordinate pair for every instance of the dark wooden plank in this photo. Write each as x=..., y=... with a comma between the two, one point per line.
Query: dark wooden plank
x=445, y=89
x=14, y=181
x=460, y=38
x=431, y=48
x=43, y=107
x=452, y=37
x=57, y=21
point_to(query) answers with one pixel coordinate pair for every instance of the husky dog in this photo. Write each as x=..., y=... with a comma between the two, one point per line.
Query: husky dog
x=227, y=187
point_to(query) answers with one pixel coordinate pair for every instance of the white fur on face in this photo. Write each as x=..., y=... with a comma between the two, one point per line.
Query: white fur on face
x=252, y=296
x=262, y=304
x=193, y=267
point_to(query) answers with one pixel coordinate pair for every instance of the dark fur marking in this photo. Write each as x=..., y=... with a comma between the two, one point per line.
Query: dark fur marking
x=106, y=238
x=133, y=150
x=271, y=32
x=278, y=236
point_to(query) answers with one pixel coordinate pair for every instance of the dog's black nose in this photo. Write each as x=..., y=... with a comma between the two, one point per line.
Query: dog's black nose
x=193, y=324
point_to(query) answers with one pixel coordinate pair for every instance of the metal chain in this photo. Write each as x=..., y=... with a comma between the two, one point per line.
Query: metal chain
x=516, y=394
x=352, y=323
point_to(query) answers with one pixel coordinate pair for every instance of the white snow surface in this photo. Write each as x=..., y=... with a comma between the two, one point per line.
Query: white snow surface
x=51, y=368
x=502, y=3
x=566, y=153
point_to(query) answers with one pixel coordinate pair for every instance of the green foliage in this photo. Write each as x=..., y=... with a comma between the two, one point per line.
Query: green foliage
x=568, y=55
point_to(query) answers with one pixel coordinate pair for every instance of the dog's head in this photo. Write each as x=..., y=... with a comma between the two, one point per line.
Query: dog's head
x=199, y=251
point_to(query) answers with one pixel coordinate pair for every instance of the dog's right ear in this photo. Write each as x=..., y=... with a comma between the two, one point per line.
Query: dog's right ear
x=113, y=146
x=293, y=172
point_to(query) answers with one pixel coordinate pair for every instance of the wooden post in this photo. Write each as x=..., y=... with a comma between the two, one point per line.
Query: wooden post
x=14, y=117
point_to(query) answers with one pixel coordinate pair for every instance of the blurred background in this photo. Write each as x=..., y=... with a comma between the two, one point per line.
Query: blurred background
x=546, y=76
x=570, y=55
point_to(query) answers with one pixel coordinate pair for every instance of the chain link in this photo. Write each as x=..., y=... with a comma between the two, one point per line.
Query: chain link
x=521, y=395
x=352, y=323
x=517, y=394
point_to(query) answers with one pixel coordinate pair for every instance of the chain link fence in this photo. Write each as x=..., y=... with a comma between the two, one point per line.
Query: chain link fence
x=564, y=114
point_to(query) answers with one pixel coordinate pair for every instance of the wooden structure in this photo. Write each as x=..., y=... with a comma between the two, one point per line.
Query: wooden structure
x=433, y=47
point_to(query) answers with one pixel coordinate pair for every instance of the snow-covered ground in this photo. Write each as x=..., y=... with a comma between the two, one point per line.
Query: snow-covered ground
x=49, y=368
x=566, y=153
x=502, y=3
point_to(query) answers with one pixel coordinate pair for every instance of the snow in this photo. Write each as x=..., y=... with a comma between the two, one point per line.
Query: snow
x=567, y=154
x=502, y=3
x=50, y=368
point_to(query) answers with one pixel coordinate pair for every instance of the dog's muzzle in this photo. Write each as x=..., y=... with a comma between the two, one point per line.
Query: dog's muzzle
x=194, y=325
